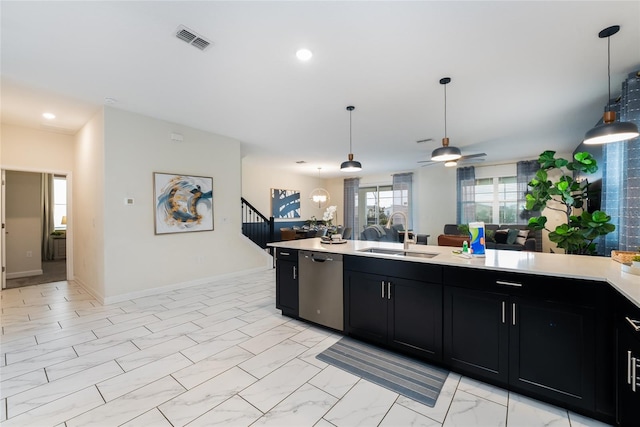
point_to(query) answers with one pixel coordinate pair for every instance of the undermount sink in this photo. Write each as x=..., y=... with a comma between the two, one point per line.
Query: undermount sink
x=398, y=253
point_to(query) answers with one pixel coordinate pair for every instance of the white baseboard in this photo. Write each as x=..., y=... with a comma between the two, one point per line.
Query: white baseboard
x=93, y=293
x=20, y=274
x=155, y=291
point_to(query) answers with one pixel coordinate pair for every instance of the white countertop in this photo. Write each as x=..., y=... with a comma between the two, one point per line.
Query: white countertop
x=557, y=265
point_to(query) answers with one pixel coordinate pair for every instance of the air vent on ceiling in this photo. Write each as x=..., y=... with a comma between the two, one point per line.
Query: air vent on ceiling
x=191, y=37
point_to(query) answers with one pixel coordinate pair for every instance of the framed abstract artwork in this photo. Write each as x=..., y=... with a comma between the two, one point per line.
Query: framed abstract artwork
x=285, y=203
x=183, y=203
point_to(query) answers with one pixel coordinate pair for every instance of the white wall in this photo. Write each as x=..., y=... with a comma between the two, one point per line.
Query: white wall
x=88, y=207
x=259, y=179
x=135, y=259
x=24, y=227
x=35, y=150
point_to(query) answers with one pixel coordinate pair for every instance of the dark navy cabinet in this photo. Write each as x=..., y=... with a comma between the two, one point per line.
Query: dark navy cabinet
x=383, y=306
x=287, y=281
x=537, y=335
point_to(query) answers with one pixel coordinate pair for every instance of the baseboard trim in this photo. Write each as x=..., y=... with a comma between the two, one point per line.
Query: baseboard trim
x=154, y=291
x=21, y=274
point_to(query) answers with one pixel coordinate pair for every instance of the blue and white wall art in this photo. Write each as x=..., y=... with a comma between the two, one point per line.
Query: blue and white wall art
x=285, y=203
x=184, y=203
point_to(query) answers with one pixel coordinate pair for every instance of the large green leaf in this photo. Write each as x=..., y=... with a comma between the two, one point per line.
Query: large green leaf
x=538, y=222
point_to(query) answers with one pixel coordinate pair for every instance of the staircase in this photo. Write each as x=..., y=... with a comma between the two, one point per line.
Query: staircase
x=257, y=227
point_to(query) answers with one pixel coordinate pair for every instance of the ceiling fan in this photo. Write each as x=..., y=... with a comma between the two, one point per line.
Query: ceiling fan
x=466, y=159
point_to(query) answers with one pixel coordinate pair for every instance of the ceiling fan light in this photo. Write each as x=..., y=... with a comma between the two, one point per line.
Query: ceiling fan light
x=611, y=132
x=450, y=163
x=444, y=154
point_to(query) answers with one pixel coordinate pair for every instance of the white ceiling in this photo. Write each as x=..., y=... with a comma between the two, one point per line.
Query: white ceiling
x=526, y=76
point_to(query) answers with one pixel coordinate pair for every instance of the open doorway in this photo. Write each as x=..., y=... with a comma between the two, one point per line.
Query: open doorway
x=35, y=209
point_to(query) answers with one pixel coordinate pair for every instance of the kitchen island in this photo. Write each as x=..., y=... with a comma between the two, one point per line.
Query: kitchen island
x=544, y=325
x=556, y=265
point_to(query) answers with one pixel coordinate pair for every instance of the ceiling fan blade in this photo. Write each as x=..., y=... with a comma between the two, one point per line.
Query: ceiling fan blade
x=471, y=156
x=469, y=161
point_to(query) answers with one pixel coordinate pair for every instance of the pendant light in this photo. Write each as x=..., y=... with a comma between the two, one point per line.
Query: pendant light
x=350, y=165
x=610, y=130
x=320, y=195
x=445, y=153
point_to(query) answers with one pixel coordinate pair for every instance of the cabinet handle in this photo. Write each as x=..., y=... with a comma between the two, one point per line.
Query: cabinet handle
x=504, y=312
x=629, y=367
x=382, y=287
x=633, y=374
x=501, y=282
x=294, y=271
x=513, y=313
x=388, y=290
x=285, y=253
x=635, y=324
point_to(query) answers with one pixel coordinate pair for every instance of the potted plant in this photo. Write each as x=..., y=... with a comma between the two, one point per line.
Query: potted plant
x=635, y=261
x=565, y=194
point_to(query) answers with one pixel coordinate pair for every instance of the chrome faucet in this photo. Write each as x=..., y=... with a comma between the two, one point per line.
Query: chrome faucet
x=407, y=241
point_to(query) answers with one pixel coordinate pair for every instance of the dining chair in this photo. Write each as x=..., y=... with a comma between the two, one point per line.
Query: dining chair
x=346, y=233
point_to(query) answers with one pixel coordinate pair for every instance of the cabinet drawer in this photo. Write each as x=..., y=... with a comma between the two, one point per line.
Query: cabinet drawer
x=403, y=269
x=578, y=292
x=287, y=254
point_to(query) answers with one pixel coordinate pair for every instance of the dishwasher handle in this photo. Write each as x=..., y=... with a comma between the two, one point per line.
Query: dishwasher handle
x=321, y=259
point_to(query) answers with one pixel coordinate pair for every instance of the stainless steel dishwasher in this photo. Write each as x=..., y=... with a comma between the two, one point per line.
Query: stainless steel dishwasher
x=320, y=286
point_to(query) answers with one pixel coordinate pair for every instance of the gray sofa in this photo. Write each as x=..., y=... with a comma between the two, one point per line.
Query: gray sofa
x=533, y=241
x=379, y=233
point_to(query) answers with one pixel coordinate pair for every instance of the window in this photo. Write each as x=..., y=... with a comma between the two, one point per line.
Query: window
x=496, y=200
x=60, y=202
x=375, y=204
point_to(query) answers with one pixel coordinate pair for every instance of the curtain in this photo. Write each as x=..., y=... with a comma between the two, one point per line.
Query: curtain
x=46, y=202
x=525, y=172
x=466, y=199
x=351, y=186
x=621, y=174
x=402, y=196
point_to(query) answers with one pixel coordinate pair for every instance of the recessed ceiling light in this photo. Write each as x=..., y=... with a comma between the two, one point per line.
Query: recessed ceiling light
x=49, y=116
x=304, y=54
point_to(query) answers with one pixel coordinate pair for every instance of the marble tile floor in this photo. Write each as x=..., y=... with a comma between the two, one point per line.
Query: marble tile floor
x=216, y=354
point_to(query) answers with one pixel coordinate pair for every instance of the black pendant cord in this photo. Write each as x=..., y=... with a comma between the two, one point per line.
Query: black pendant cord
x=350, y=149
x=445, y=110
x=609, y=71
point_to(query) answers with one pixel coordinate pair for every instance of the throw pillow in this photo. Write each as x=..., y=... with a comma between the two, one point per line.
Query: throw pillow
x=500, y=236
x=512, y=235
x=522, y=236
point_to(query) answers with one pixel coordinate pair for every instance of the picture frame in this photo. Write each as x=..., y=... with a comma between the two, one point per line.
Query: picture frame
x=285, y=203
x=183, y=203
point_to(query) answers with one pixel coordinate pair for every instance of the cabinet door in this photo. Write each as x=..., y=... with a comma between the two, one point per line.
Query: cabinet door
x=366, y=306
x=476, y=333
x=628, y=372
x=552, y=350
x=415, y=317
x=287, y=287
